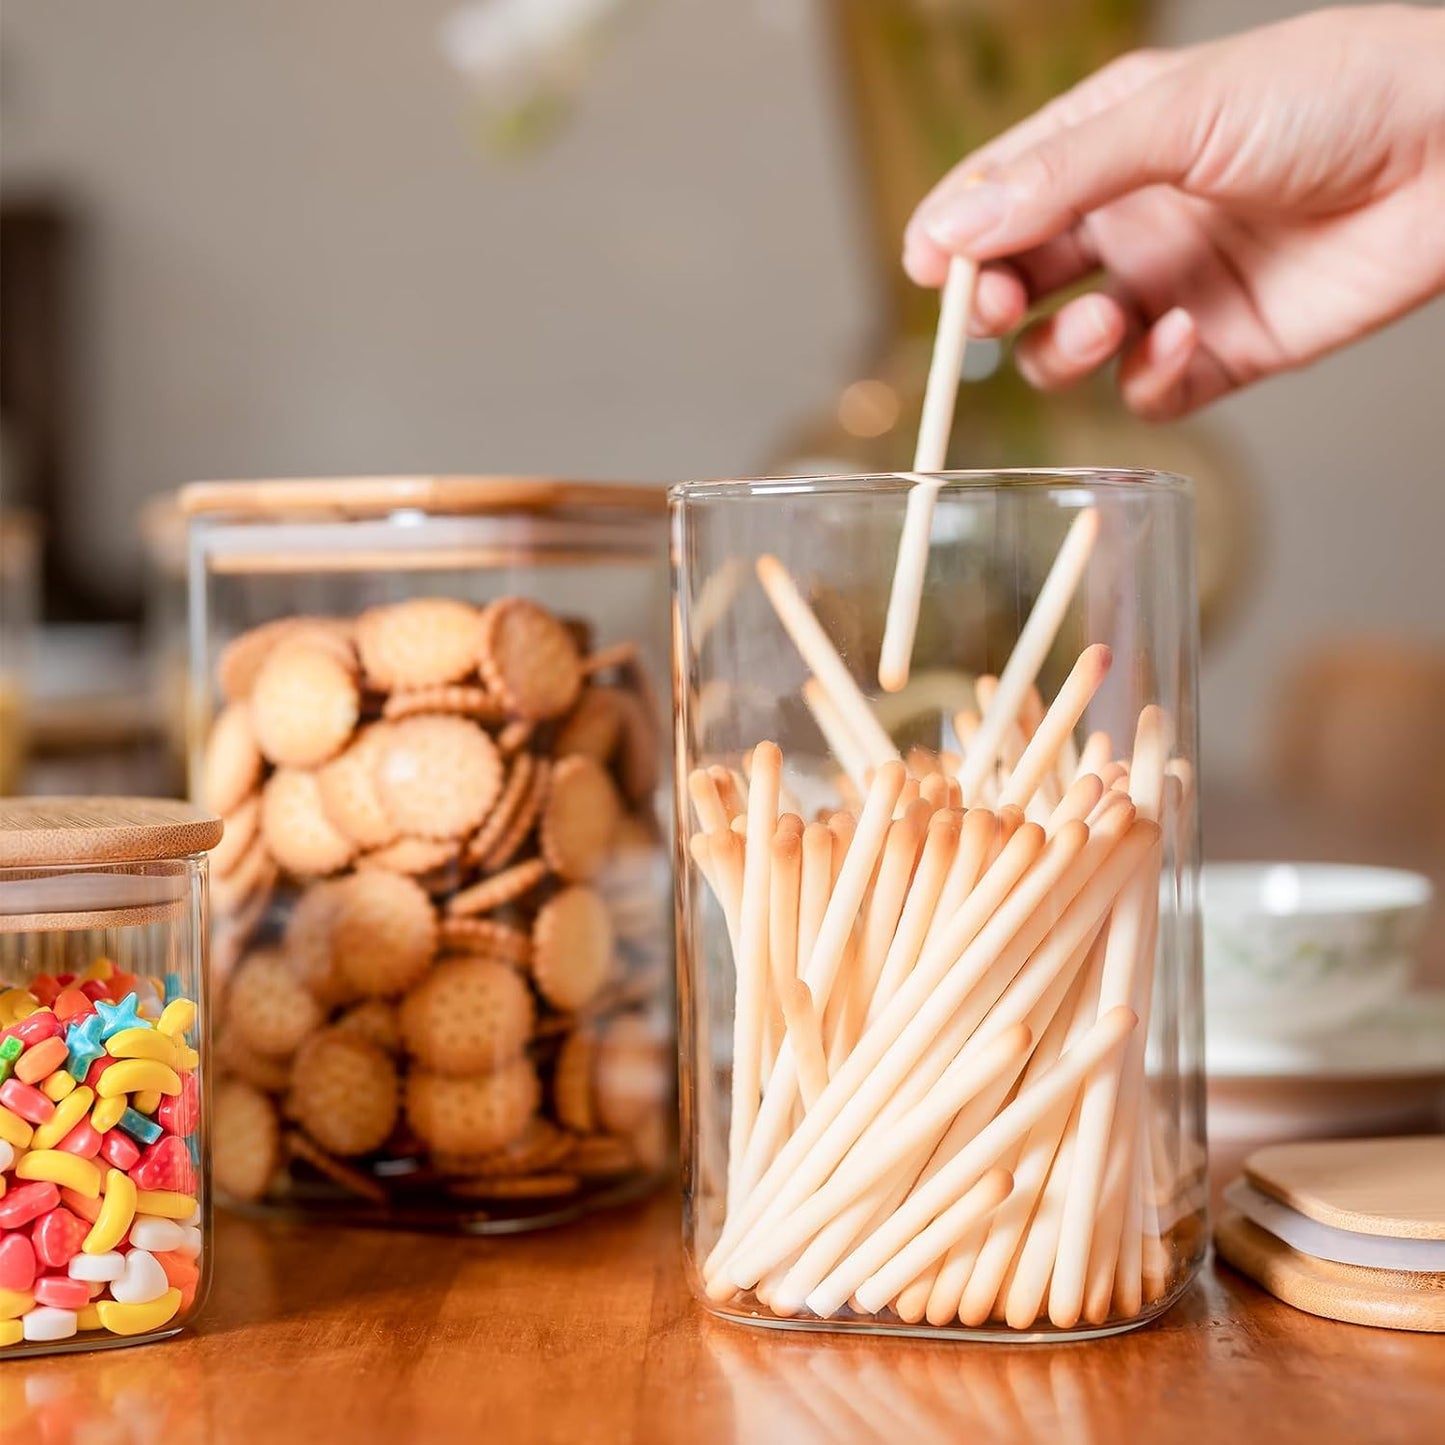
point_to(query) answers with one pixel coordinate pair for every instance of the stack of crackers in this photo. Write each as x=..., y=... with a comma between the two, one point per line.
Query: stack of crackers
x=442, y=910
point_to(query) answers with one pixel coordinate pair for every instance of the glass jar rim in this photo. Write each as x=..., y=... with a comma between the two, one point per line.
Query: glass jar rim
x=1044, y=479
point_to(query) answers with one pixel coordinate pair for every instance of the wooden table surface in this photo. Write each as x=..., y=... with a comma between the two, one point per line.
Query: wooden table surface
x=587, y=1334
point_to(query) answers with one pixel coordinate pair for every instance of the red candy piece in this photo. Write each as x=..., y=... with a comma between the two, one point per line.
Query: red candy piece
x=17, y=1263
x=62, y=1292
x=93, y=989
x=70, y=1003
x=83, y=1141
x=166, y=1165
x=179, y=1113
x=25, y=1202
x=97, y=1069
x=57, y=1237
x=26, y=1100
x=34, y=1028
x=122, y=985
x=44, y=987
x=119, y=1149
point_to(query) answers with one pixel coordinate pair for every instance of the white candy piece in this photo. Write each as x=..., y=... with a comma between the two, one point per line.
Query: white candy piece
x=7, y=1156
x=190, y=1244
x=142, y=1280
x=154, y=1234
x=47, y=1323
x=195, y=1218
x=97, y=1268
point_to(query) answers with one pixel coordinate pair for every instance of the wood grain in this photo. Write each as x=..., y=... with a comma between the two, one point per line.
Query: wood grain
x=1392, y=1187
x=1385, y=1298
x=587, y=1336
x=37, y=832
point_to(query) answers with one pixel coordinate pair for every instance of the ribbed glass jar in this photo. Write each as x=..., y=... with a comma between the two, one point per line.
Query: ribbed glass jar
x=941, y=1008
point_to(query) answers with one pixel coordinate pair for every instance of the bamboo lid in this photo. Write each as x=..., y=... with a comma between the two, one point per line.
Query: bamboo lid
x=441, y=495
x=37, y=832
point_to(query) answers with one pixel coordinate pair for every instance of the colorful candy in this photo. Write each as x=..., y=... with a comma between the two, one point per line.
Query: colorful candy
x=99, y=1143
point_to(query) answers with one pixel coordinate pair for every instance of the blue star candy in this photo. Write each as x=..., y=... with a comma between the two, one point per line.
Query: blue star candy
x=118, y=1016
x=85, y=1046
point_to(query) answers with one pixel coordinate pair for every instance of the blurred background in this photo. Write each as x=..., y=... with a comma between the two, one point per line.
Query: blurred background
x=645, y=239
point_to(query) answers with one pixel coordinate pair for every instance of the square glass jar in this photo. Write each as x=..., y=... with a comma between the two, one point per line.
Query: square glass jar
x=428, y=709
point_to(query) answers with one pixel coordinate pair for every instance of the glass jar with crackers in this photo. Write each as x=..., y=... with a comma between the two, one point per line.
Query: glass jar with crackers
x=442, y=912
x=941, y=1022
x=104, y=1171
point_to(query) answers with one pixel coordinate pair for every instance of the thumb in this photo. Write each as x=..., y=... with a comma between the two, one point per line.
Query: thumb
x=1046, y=188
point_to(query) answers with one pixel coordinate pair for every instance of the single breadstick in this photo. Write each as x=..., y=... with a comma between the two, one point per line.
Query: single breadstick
x=1113, y=801
x=878, y=924
x=1058, y=723
x=1098, y=750
x=1028, y=1280
x=839, y=737
x=952, y=1225
x=878, y=1153
x=934, y=789
x=980, y=835
x=815, y=887
x=1079, y=802
x=806, y=1036
x=780, y=1181
x=930, y=455
x=783, y=888
x=726, y=782
x=752, y=963
x=726, y=850
x=820, y=970
x=823, y=661
x=1131, y=931
x=911, y=1225
x=1032, y=647
x=939, y=847
x=1011, y=931
x=702, y=789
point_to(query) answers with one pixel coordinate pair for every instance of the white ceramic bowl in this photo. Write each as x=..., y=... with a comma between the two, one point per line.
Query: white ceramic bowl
x=1298, y=949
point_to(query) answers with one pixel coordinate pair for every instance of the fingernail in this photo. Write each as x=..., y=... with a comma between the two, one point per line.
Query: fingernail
x=1084, y=328
x=969, y=215
x=1171, y=333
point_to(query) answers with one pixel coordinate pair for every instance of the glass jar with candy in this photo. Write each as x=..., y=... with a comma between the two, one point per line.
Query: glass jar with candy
x=103, y=1168
x=429, y=715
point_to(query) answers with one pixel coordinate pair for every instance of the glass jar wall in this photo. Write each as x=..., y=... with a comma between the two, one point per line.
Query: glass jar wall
x=103, y=1167
x=429, y=716
x=941, y=1002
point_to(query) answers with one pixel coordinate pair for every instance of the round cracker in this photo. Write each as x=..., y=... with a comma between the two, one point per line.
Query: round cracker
x=467, y=1016
x=475, y=1115
x=295, y=828
x=383, y=934
x=348, y=790
x=344, y=1093
x=510, y=843
x=231, y=763
x=487, y=937
x=539, y=1146
x=437, y=777
x=520, y=776
x=304, y=705
x=413, y=856
x=630, y=1076
x=494, y=892
x=528, y=659
x=572, y=1081
x=593, y=728
x=307, y=945
x=268, y=1007
x=420, y=643
x=572, y=948
x=464, y=701
x=239, y=832
x=579, y=820
x=245, y=1141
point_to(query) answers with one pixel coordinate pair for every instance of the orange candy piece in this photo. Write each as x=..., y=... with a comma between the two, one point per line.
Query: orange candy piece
x=87, y=1209
x=70, y=1002
x=182, y=1272
x=41, y=1060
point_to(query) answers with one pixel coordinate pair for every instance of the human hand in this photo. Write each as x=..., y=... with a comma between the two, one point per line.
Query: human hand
x=1252, y=204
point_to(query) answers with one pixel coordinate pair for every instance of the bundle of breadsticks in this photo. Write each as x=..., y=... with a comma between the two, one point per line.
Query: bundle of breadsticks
x=939, y=1106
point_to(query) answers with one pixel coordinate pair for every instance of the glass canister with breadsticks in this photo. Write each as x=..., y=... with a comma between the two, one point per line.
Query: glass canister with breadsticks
x=428, y=711
x=941, y=1020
